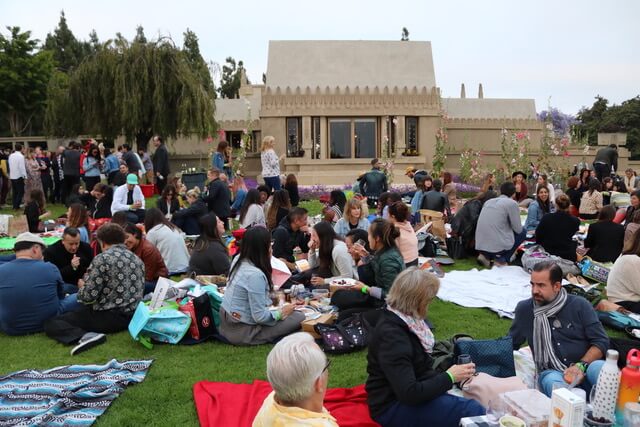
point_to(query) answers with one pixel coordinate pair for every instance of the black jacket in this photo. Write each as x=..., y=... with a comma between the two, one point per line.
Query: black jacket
x=197, y=209
x=213, y=260
x=465, y=222
x=436, y=201
x=285, y=239
x=160, y=161
x=32, y=211
x=162, y=205
x=555, y=234
x=373, y=183
x=58, y=256
x=294, y=196
x=219, y=198
x=131, y=160
x=399, y=369
x=71, y=162
x=103, y=207
x=608, y=156
x=605, y=240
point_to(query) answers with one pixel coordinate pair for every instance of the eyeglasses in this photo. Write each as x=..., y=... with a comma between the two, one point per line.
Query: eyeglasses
x=326, y=367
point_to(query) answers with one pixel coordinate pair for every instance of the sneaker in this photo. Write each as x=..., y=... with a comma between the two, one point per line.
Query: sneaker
x=484, y=261
x=88, y=340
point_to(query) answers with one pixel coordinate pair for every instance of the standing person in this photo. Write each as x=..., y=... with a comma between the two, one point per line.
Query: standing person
x=130, y=158
x=91, y=166
x=168, y=239
x=270, y=164
x=556, y=230
x=218, y=197
x=606, y=161
x=591, y=201
x=605, y=238
x=160, y=162
x=34, y=181
x=45, y=172
x=147, y=164
x=71, y=256
x=70, y=169
x=17, y=174
x=129, y=198
x=57, y=161
x=110, y=293
x=373, y=183
x=111, y=166
x=566, y=338
x=291, y=185
x=499, y=231
x=221, y=159
x=4, y=178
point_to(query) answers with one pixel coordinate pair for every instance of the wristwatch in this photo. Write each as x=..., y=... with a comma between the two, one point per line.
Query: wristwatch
x=582, y=365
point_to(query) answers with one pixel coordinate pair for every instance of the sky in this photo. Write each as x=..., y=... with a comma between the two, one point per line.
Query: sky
x=560, y=52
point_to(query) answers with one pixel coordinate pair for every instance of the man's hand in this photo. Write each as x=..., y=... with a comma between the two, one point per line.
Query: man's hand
x=357, y=286
x=75, y=262
x=80, y=283
x=573, y=375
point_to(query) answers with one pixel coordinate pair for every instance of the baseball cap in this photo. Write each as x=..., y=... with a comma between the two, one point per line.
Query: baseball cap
x=29, y=237
x=132, y=179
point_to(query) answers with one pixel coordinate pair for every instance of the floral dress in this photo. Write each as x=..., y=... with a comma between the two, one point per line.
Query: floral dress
x=33, y=182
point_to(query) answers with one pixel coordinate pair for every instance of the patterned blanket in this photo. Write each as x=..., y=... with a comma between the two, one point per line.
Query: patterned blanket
x=72, y=395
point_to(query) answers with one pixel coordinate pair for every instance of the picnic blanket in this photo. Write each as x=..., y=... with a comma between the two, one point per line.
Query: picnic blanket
x=236, y=405
x=6, y=243
x=68, y=395
x=499, y=289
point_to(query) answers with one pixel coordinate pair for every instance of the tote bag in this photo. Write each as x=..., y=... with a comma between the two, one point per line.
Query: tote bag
x=493, y=357
x=166, y=324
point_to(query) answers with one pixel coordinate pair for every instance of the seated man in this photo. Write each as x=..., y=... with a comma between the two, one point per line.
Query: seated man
x=120, y=178
x=71, y=256
x=298, y=372
x=110, y=294
x=564, y=333
x=30, y=289
x=129, y=198
x=436, y=200
x=292, y=232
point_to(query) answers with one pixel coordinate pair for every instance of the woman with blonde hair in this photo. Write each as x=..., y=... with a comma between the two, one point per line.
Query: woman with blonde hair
x=354, y=217
x=34, y=179
x=270, y=163
x=188, y=220
x=402, y=386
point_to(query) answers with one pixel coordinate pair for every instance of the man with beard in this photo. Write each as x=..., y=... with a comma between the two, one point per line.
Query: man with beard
x=566, y=338
x=71, y=256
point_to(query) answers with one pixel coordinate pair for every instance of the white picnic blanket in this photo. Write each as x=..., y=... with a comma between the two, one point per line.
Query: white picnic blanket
x=499, y=289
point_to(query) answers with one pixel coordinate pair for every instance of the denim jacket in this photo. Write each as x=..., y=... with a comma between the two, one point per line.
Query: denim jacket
x=247, y=295
x=342, y=226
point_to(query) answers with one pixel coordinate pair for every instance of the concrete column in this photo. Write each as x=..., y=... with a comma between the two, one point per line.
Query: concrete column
x=324, y=138
x=384, y=122
x=306, y=136
x=400, y=136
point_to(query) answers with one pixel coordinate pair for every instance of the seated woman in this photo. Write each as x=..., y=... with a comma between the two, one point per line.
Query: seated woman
x=154, y=266
x=591, y=201
x=538, y=208
x=352, y=219
x=77, y=217
x=556, y=230
x=631, y=228
x=189, y=219
x=333, y=211
x=605, y=238
x=103, y=194
x=239, y=190
x=519, y=180
x=328, y=256
x=574, y=193
x=280, y=207
x=168, y=239
x=245, y=318
x=449, y=189
x=407, y=242
x=607, y=190
x=252, y=213
x=623, y=286
x=544, y=182
x=362, y=238
x=402, y=387
x=633, y=208
x=388, y=201
x=36, y=211
x=378, y=271
x=168, y=201
x=209, y=255
x=291, y=185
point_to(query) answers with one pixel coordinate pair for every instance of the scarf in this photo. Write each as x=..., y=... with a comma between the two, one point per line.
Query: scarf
x=544, y=354
x=419, y=328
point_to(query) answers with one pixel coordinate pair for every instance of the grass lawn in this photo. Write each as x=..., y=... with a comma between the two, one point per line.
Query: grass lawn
x=165, y=397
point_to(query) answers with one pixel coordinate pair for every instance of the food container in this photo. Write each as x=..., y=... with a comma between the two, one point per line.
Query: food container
x=567, y=409
x=531, y=406
x=338, y=284
x=511, y=421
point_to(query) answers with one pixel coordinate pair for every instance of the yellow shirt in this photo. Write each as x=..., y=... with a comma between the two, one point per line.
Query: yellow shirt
x=272, y=414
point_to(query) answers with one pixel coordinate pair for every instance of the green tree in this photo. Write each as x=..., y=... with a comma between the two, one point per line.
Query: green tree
x=405, y=35
x=191, y=49
x=135, y=89
x=24, y=75
x=140, y=37
x=67, y=50
x=231, y=78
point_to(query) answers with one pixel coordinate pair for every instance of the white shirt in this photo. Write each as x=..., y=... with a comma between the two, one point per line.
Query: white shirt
x=270, y=163
x=120, y=198
x=254, y=216
x=170, y=244
x=17, y=166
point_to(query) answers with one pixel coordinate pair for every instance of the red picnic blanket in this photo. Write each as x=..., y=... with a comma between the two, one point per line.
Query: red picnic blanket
x=236, y=405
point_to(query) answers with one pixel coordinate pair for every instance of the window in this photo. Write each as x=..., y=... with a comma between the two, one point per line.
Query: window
x=234, y=138
x=411, y=136
x=294, y=137
x=254, y=142
x=315, y=137
x=352, y=138
x=391, y=135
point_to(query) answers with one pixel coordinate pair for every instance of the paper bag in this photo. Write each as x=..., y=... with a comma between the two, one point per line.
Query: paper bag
x=280, y=273
x=308, y=325
x=437, y=223
x=17, y=224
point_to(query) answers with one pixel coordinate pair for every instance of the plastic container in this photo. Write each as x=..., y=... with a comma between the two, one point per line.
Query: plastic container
x=629, y=390
x=320, y=294
x=531, y=406
x=147, y=190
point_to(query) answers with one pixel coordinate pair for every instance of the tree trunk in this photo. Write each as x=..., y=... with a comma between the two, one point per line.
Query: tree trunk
x=142, y=139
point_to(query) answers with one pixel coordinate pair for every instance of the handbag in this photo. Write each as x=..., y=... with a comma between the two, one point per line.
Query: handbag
x=594, y=270
x=202, y=324
x=345, y=337
x=485, y=388
x=455, y=248
x=166, y=324
x=437, y=222
x=493, y=357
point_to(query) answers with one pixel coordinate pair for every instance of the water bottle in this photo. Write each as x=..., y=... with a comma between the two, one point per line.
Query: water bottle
x=629, y=390
x=604, y=401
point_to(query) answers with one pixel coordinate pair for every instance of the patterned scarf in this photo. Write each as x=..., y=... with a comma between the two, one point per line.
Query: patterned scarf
x=419, y=328
x=544, y=354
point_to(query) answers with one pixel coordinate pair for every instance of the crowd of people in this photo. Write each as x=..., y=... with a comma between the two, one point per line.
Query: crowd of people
x=89, y=284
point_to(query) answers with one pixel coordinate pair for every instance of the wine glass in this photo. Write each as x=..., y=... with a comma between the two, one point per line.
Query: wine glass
x=495, y=410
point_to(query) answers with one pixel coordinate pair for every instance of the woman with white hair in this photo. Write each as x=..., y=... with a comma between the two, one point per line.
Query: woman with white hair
x=403, y=389
x=298, y=371
x=270, y=163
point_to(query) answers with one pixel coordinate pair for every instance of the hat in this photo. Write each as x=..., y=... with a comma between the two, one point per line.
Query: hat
x=132, y=179
x=516, y=173
x=409, y=169
x=29, y=237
